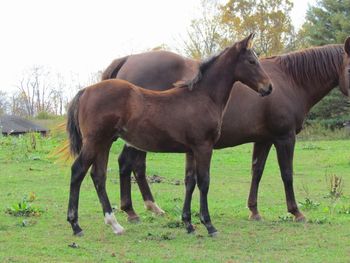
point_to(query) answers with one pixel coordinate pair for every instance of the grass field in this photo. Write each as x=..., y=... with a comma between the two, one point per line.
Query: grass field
x=25, y=171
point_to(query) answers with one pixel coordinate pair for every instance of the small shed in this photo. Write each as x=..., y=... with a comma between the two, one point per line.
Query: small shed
x=14, y=125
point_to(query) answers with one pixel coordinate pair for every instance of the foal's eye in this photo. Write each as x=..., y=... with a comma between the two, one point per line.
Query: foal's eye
x=252, y=62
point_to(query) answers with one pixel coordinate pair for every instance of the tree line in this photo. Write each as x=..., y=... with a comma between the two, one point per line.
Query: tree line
x=219, y=25
x=41, y=92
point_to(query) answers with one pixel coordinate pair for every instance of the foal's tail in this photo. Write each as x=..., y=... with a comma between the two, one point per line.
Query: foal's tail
x=73, y=129
x=112, y=70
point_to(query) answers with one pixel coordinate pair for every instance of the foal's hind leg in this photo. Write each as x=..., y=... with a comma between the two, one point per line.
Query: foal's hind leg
x=98, y=174
x=285, y=153
x=260, y=153
x=79, y=169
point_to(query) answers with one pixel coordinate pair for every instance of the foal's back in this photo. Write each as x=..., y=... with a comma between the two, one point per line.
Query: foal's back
x=162, y=121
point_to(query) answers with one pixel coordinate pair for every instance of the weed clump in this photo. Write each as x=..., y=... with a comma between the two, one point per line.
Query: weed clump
x=24, y=207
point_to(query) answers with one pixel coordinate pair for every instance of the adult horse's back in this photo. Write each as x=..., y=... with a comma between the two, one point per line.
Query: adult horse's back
x=156, y=70
x=300, y=80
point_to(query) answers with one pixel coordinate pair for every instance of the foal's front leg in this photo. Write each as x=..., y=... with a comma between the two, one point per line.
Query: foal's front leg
x=190, y=183
x=202, y=157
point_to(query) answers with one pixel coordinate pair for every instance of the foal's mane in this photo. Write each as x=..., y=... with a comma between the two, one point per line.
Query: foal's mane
x=202, y=68
x=322, y=63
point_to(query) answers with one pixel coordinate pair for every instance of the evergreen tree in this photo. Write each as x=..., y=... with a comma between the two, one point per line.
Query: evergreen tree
x=328, y=23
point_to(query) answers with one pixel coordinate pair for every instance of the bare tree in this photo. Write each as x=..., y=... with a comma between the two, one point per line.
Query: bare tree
x=36, y=91
x=205, y=35
x=18, y=104
x=4, y=103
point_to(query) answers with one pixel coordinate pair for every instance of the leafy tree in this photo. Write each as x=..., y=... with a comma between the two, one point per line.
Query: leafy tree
x=332, y=111
x=270, y=20
x=328, y=22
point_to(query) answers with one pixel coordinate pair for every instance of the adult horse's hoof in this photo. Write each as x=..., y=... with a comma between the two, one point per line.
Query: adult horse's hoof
x=255, y=217
x=79, y=234
x=151, y=206
x=300, y=218
x=134, y=219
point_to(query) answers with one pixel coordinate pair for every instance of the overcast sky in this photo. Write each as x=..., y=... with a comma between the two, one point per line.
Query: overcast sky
x=85, y=36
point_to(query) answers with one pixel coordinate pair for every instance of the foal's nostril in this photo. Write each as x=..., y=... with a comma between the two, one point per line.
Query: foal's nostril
x=270, y=88
x=266, y=92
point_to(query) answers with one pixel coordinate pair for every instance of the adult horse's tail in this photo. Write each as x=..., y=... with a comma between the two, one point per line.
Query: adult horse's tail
x=73, y=129
x=112, y=70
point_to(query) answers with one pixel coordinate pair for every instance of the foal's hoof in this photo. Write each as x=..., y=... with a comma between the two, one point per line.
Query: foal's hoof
x=119, y=232
x=300, y=218
x=255, y=217
x=190, y=229
x=134, y=219
x=79, y=234
x=214, y=234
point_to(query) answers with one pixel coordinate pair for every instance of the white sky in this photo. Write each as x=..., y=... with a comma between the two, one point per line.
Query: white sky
x=82, y=37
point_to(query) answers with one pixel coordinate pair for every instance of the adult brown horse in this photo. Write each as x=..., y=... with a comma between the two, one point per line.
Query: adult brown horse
x=300, y=79
x=184, y=119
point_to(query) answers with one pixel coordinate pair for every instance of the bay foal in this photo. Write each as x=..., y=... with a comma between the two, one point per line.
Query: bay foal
x=184, y=119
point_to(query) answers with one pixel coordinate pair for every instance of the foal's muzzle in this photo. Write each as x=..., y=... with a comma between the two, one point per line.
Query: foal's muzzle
x=264, y=92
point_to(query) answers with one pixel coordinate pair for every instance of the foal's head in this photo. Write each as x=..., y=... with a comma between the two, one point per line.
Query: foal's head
x=248, y=69
x=344, y=80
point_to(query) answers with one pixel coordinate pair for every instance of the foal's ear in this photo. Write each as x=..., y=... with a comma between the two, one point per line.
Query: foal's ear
x=247, y=43
x=347, y=46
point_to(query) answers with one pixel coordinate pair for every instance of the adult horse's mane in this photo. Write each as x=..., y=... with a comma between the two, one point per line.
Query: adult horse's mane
x=202, y=68
x=320, y=62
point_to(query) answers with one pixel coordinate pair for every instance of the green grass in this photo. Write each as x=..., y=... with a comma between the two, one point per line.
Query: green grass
x=325, y=238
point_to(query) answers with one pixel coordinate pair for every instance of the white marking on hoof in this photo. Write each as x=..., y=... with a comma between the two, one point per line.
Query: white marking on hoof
x=154, y=208
x=111, y=220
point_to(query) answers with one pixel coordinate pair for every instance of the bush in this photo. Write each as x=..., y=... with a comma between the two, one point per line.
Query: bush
x=44, y=115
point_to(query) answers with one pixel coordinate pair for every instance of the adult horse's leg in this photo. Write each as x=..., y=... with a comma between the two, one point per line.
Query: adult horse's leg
x=190, y=184
x=260, y=153
x=133, y=160
x=139, y=170
x=98, y=175
x=79, y=170
x=202, y=157
x=125, y=168
x=285, y=154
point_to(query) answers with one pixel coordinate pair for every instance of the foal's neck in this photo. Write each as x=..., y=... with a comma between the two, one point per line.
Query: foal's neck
x=218, y=80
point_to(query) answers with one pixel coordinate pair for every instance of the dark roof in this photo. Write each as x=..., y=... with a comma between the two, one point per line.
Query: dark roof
x=14, y=124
